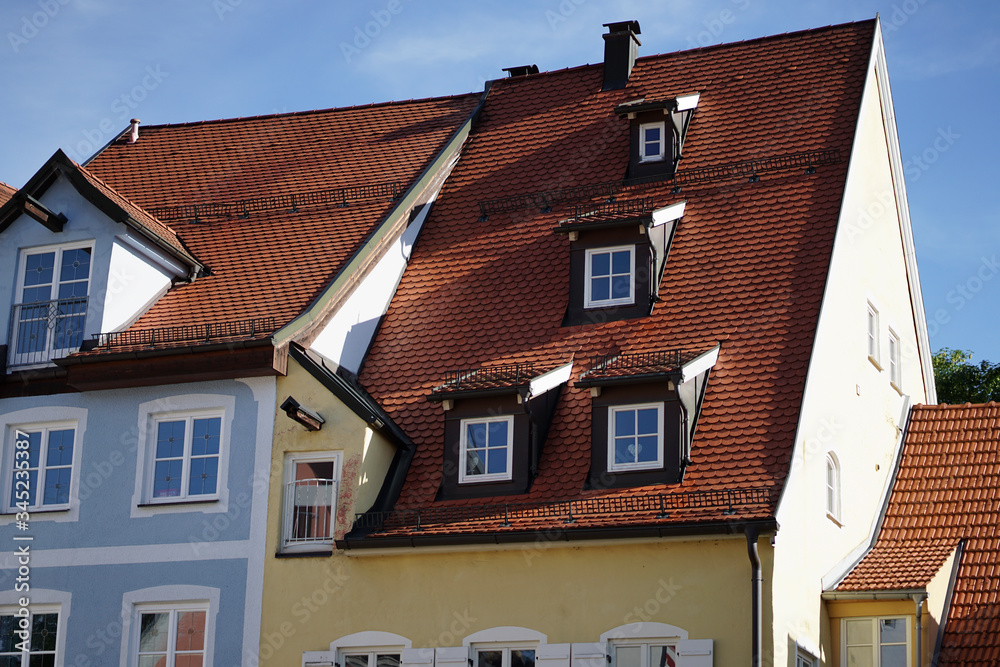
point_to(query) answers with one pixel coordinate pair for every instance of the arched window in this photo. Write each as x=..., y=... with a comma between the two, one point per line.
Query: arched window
x=833, y=487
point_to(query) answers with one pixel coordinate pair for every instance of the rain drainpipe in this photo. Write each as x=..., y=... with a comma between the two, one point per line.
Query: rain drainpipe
x=755, y=597
x=919, y=599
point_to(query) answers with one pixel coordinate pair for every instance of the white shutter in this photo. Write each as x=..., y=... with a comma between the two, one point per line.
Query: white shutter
x=552, y=655
x=694, y=653
x=451, y=656
x=590, y=654
x=417, y=657
x=317, y=658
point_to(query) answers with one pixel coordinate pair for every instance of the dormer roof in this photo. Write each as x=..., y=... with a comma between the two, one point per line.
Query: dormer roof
x=487, y=284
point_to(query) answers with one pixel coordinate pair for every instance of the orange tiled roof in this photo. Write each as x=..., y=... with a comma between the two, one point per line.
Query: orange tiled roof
x=947, y=489
x=270, y=255
x=6, y=192
x=746, y=269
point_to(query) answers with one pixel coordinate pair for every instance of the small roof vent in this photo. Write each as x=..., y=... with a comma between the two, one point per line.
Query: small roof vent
x=621, y=46
x=133, y=133
x=520, y=70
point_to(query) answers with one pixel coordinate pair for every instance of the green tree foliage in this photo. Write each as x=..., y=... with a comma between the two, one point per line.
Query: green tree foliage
x=959, y=381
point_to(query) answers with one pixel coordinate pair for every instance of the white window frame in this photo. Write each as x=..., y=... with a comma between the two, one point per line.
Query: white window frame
x=50, y=352
x=643, y=644
x=803, y=659
x=613, y=466
x=30, y=419
x=160, y=598
x=833, y=485
x=655, y=157
x=465, y=478
x=504, y=648
x=588, y=300
x=34, y=610
x=895, y=378
x=163, y=409
x=291, y=458
x=873, y=335
x=188, y=417
x=173, y=609
x=11, y=461
x=876, y=644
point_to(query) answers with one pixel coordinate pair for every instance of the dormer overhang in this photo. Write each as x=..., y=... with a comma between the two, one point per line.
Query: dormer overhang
x=668, y=119
x=118, y=209
x=522, y=379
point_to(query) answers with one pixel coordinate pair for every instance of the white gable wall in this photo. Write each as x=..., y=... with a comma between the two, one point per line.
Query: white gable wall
x=849, y=406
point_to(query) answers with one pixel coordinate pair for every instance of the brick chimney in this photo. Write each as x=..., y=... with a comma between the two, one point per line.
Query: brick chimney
x=620, y=49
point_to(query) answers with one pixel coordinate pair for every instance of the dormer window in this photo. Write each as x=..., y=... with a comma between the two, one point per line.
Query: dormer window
x=610, y=277
x=53, y=285
x=618, y=251
x=496, y=419
x=486, y=449
x=651, y=142
x=635, y=437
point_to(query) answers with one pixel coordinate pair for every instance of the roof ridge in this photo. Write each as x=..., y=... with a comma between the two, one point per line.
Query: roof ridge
x=306, y=112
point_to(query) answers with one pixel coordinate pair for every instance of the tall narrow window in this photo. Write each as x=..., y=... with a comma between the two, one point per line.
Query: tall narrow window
x=833, y=487
x=41, y=644
x=42, y=457
x=50, y=317
x=311, y=481
x=873, y=334
x=610, y=277
x=894, y=359
x=486, y=449
x=651, y=142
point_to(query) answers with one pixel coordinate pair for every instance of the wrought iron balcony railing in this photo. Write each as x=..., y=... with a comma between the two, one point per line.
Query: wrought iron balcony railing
x=309, y=508
x=46, y=330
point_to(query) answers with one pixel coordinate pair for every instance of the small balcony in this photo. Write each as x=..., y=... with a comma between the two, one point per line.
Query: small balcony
x=309, y=508
x=44, y=331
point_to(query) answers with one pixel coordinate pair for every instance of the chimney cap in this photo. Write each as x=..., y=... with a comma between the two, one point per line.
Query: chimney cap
x=623, y=26
x=521, y=70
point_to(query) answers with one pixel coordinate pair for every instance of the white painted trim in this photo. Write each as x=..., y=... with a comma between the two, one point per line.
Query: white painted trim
x=659, y=157
x=614, y=466
x=669, y=213
x=550, y=380
x=906, y=229
x=44, y=600
x=504, y=634
x=166, y=597
x=370, y=639
x=158, y=259
x=463, y=477
x=642, y=630
x=265, y=394
x=181, y=405
x=43, y=416
x=291, y=458
x=588, y=275
x=700, y=364
x=130, y=555
x=686, y=102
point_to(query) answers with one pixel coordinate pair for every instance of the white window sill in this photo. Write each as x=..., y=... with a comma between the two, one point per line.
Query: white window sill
x=835, y=520
x=36, y=510
x=875, y=362
x=647, y=160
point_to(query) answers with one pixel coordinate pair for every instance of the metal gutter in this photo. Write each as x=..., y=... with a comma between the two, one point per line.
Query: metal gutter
x=756, y=595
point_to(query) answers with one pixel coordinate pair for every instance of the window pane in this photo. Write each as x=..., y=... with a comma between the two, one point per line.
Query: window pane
x=657, y=656
x=38, y=269
x=167, y=478
x=387, y=660
x=600, y=289
x=32, y=486
x=189, y=660
x=647, y=450
x=360, y=660
x=205, y=438
x=34, y=448
x=474, y=464
x=496, y=461
x=859, y=656
x=191, y=631
x=490, y=659
x=498, y=434
x=647, y=421
x=624, y=450
x=170, y=440
x=314, y=470
x=60, y=450
x=624, y=422
x=43, y=632
x=154, y=660
x=893, y=656
x=859, y=632
x=892, y=630
x=522, y=658
x=204, y=476
x=628, y=656
x=75, y=264
x=600, y=264
x=621, y=261
x=57, y=486
x=153, y=632
x=73, y=291
x=621, y=287
x=475, y=437
x=7, y=637
x=44, y=660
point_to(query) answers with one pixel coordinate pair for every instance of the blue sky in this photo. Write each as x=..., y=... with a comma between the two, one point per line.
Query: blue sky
x=75, y=71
